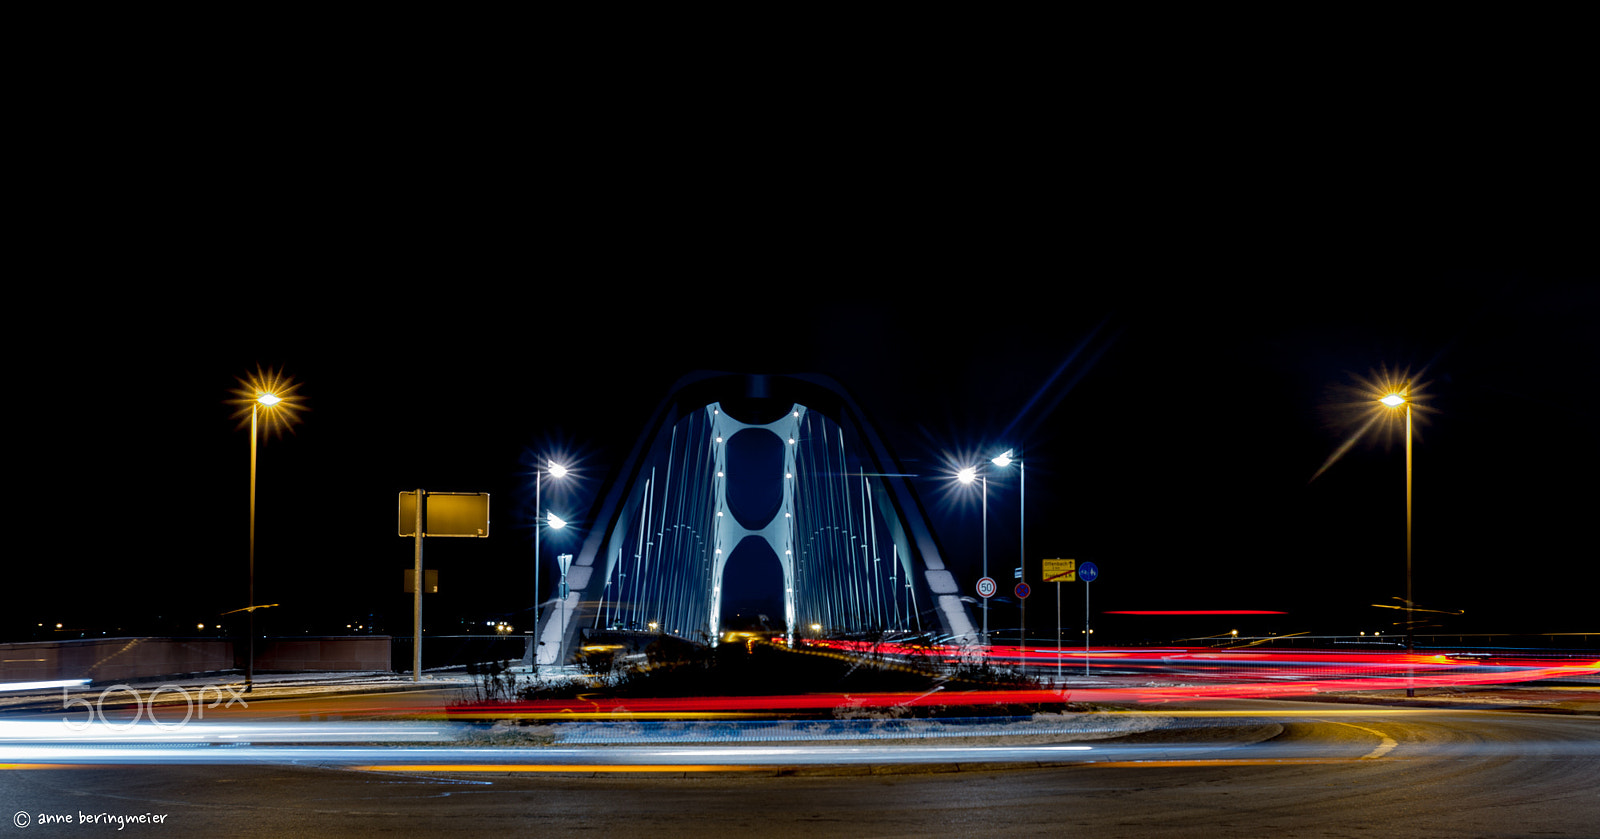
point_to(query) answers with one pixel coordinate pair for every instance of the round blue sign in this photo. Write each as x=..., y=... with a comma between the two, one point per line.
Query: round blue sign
x=1087, y=571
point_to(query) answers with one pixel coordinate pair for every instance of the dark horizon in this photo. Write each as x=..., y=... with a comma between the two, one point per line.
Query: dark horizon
x=1182, y=444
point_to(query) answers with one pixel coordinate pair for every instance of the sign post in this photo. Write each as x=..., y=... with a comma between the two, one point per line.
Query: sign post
x=1022, y=592
x=451, y=514
x=1059, y=571
x=1087, y=572
x=419, y=579
x=986, y=590
x=565, y=561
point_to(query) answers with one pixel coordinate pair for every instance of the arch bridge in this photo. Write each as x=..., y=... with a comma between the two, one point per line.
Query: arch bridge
x=735, y=473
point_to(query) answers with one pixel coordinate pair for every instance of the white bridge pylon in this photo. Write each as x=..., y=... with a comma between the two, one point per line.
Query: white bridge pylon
x=778, y=532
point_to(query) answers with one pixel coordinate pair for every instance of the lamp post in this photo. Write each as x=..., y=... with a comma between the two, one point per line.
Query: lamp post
x=1396, y=400
x=967, y=475
x=1003, y=460
x=262, y=400
x=541, y=516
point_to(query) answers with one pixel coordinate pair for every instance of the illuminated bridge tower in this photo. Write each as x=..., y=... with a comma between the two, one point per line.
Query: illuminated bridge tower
x=743, y=471
x=731, y=526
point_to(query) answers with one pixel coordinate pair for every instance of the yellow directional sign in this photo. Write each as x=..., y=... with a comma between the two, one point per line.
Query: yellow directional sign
x=1060, y=570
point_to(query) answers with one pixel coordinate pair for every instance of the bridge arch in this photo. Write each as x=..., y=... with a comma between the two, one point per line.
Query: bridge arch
x=850, y=535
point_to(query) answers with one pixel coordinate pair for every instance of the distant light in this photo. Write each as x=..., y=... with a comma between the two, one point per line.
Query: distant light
x=268, y=399
x=967, y=474
x=1393, y=400
x=557, y=470
x=556, y=522
x=1003, y=460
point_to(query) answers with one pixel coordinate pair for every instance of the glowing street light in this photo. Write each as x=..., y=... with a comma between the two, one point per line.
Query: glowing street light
x=968, y=475
x=1396, y=400
x=270, y=391
x=554, y=522
x=1002, y=461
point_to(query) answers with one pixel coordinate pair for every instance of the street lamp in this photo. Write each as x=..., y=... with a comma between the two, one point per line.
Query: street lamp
x=1003, y=460
x=268, y=398
x=542, y=517
x=264, y=400
x=1396, y=400
x=967, y=475
x=250, y=657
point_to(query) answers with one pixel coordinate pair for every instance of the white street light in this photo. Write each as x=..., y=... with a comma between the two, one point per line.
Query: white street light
x=966, y=475
x=555, y=522
x=1005, y=459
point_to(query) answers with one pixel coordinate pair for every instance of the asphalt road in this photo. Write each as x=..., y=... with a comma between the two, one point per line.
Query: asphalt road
x=1261, y=769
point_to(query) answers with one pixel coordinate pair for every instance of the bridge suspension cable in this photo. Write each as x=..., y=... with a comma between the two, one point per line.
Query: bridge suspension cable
x=844, y=568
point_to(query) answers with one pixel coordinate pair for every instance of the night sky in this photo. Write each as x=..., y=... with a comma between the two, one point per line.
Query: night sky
x=1149, y=270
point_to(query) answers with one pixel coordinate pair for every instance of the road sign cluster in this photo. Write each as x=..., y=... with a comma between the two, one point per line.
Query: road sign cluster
x=1053, y=571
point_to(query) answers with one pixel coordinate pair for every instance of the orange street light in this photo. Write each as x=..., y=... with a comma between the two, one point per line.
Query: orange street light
x=273, y=392
x=1396, y=400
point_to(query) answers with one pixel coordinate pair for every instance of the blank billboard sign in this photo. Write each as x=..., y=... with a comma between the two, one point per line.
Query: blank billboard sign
x=446, y=514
